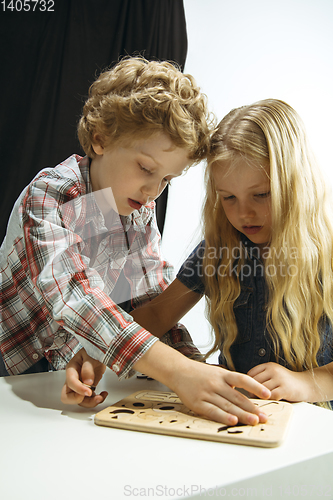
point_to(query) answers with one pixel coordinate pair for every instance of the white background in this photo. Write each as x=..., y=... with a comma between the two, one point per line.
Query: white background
x=241, y=51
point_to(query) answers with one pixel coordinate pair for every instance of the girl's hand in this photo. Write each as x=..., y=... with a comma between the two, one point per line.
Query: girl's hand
x=283, y=383
x=83, y=371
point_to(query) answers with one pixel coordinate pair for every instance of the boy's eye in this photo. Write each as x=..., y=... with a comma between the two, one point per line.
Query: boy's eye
x=149, y=172
x=144, y=169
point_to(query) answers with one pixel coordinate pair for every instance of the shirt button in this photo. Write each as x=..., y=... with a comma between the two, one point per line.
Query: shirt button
x=262, y=352
x=35, y=356
x=116, y=368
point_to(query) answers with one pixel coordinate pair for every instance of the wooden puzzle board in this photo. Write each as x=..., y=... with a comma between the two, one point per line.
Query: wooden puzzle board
x=164, y=413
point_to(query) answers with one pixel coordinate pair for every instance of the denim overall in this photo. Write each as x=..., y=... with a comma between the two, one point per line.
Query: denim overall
x=252, y=345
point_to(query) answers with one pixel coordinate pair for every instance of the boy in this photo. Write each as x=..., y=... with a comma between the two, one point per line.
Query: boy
x=84, y=233
x=83, y=238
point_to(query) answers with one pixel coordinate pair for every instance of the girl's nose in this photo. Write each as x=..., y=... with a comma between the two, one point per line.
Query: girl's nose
x=246, y=210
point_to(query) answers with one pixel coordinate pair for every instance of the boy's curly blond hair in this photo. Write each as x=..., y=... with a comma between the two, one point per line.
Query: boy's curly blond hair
x=137, y=98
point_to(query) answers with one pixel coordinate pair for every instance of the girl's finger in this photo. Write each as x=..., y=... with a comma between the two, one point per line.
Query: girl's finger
x=263, y=378
x=276, y=394
x=251, y=385
x=256, y=370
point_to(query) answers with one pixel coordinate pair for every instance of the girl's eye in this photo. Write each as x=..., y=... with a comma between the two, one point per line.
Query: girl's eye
x=263, y=195
x=227, y=198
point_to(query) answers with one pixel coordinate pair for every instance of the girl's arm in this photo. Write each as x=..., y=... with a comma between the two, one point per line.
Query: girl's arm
x=311, y=386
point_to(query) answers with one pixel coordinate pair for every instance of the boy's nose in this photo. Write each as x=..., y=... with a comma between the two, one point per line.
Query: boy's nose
x=152, y=190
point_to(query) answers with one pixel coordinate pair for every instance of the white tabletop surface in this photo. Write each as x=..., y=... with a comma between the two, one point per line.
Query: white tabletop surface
x=55, y=452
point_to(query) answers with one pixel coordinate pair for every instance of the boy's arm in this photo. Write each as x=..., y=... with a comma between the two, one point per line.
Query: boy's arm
x=72, y=292
x=150, y=275
x=161, y=316
x=157, y=316
x=205, y=389
x=145, y=269
x=162, y=313
x=311, y=386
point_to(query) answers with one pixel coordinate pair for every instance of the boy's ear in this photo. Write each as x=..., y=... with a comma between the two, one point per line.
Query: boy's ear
x=97, y=144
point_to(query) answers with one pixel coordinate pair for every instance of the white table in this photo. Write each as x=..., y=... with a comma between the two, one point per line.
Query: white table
x=51, y=451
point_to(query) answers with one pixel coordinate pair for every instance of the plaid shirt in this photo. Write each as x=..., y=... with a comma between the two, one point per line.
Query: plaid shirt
x=61, y=268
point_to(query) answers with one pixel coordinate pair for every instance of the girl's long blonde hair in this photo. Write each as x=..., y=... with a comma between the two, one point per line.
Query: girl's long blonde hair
x=271, y=132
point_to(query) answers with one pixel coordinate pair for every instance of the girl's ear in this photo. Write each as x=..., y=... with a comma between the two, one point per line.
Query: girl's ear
x=97, y=145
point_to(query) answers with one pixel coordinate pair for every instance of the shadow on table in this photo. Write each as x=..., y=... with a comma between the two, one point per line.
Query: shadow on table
x=43, y=391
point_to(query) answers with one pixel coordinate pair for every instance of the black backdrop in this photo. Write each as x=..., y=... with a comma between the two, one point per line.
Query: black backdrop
x=48, y=61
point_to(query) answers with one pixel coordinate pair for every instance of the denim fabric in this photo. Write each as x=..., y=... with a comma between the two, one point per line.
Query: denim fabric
x=252, y=345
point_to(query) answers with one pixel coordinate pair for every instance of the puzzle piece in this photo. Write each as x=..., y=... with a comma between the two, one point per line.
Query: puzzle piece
x=164, y=413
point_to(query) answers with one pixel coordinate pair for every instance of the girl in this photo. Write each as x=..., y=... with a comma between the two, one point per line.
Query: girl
x=268, y=213
x=265, y=265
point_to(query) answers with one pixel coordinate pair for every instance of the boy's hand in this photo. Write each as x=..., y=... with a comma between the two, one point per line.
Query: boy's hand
x=207, y=390
x=210, y=391
x=83, y=371
x=283, y=383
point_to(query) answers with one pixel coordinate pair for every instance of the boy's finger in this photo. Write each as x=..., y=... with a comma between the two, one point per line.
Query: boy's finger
x=70, y=397
x=245, y=410
x=74, y=383
x=233, y=415
x=94, y=400
x=88, y=373
x=235, y=403
x=221, y=410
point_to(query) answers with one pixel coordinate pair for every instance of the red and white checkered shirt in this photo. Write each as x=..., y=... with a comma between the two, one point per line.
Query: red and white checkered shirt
x=59, y=266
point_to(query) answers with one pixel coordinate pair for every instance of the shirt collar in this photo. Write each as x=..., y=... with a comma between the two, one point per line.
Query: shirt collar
x=252, y=250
